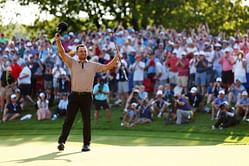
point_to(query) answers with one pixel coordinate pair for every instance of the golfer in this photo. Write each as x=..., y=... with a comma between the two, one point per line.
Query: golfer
x=82, y=77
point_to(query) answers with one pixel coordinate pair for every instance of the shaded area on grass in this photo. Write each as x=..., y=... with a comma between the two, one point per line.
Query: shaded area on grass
x=196, y=133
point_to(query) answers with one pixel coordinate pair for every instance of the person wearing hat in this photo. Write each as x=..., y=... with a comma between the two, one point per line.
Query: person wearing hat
x=226, y=117
x=171, y=64
x=61, y=107
x=130, y=117
x=183, y=71
x=137, y=68
x=195, y=99
x=101, y=92
x=235, y=91
x=213, y=89
x=242, y=106
x=227, y=62
x=184, y=112
x=82, y=78
x=239, y=67
x=43, y=111
x=216, y=103
x=159, y=105
x=13, y=109
x=201, y=73
x=216, y=64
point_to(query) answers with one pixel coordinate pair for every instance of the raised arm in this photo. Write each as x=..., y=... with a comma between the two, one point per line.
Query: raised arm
x=112, y=63
x=61, y=50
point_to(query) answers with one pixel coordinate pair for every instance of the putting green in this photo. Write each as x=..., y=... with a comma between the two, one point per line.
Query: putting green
x=37, y=153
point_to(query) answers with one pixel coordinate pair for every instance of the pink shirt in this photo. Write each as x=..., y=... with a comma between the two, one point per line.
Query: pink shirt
x=227, y=62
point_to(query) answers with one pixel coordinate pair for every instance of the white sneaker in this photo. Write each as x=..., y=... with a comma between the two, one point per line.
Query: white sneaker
x=122, y=124
x=159, y=115
x=119, y=101
x=26, y=117
x=54, y=117
x=213, y=127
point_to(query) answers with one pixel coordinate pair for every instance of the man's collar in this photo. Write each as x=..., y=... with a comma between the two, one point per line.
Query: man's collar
x=84, y=61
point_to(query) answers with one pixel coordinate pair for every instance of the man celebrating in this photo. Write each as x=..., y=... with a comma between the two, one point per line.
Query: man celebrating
x=82, y=78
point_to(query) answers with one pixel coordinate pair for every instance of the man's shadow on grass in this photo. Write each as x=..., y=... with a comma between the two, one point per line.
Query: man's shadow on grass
x=49, y=156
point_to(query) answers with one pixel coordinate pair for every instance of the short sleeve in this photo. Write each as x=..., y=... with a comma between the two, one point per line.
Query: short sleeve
x=68, y=61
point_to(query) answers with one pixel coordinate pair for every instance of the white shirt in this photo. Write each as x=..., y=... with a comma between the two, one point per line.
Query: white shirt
x=138, y=71
x=26, y=80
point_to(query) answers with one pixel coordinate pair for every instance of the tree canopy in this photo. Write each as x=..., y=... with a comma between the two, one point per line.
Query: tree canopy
x=220, y=15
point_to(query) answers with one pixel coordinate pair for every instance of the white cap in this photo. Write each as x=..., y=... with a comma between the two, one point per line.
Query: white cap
x=134, y=104
x=202, y=53
x=193, y=90
x=29, y=44
x=136, y=90
x=13, y=96
x=227, y=49
x=42, y=94
x=217, y=45
x=159, y=92
x=222, y=92
x=218, y=79
x=244, y=93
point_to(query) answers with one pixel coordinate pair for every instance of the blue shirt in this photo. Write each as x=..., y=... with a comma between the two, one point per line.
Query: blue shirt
x=101, y=94
x=244, y=101
x=218, y=100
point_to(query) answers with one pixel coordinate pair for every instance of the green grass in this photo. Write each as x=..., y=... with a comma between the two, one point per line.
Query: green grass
x=155, y=134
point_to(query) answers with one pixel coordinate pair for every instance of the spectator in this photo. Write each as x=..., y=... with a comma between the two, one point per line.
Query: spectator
x=101, y=91
x=7, y=85
x=201, y=73
x=195, y=99
x=227, y=62
x=183, y=71
x=24, y=83
x=235, y=91
x=184, y=113
x=61, y=107
x=137, y=69
x=43, y=112
x=64, y=84
x=242, y=106
x=13, y=110
x=217, y=102
x=130, y=117
x=226, y=117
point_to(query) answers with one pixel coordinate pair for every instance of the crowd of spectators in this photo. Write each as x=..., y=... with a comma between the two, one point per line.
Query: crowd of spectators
x=170, y=74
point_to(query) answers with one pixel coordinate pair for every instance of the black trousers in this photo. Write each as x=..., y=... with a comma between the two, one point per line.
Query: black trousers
x=76, y=101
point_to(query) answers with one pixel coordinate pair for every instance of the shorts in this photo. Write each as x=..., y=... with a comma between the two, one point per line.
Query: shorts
x=123, y=87
x=200, y=79
x=173, y=77
x=182, y=81
x=227, y=77
x=25, y=89
x=100, y=103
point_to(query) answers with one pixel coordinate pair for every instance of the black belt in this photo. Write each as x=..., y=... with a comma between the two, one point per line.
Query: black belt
x=81, y=93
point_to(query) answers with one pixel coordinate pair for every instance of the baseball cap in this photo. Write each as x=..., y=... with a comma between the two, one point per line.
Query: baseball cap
x=218, y=79
x=17, y=90
x=159, y=92
x=42, y=94
x=193, y=90
x=222, y=92
x=244, y=93
x=13, y=96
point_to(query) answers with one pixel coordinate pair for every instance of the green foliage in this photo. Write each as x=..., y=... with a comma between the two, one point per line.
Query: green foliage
x=220, y=15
